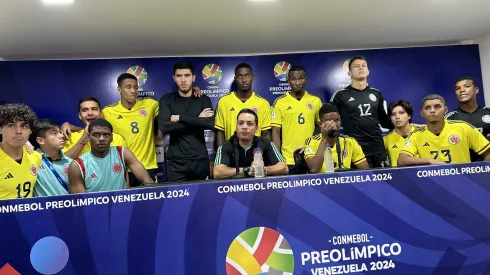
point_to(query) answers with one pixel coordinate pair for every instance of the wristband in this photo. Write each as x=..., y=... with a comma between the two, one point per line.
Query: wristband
x=245, y=171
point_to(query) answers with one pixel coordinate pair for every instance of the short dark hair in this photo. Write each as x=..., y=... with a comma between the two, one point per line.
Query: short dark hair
x=249, y=111
x=43, y=126
x=473, y=80
x=327, y=108
x=433, y=97
x=125, y=76
x=11, y=113
x=88, y=98
x=357, y=57
x=100, y=122
x=297, y=68
x=405, y=105
x=243, y=65
x=183, y=65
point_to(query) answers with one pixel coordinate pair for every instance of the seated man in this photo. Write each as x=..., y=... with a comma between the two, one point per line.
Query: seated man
x=103, y=168
x=18, y=168
x=314, y=148
x=238, y=150
x=77, y=143
x=442, y=141
x=52, y=177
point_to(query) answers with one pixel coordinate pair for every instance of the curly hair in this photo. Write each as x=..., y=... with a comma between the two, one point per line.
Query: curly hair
x=11, y=113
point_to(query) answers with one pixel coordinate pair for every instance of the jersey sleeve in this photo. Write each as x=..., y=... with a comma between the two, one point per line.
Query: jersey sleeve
x=478, y=142
x=318, y=105
x=450, y=115
x=357, y=153
x=155, y=107
x=277, y=115
x=310, y=147
x=219, y=122
x=224, y=156
x=335, y=99
x=273, y=155
x=266, y=122
x=410, y=147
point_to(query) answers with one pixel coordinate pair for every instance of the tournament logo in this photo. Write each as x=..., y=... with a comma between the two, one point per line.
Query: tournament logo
x=308, y=151
x=65, y=170
x=345, y=66
x=212, y=74
x=407, y=143
x=33, y=169
x=143, y=112
x=140, y=74
x=116, y=168
x=255, y=109
x=310, y=106
x=486, y=118
x=372, y=97
x=281, y=70
x=454, y=139
x=259, y=250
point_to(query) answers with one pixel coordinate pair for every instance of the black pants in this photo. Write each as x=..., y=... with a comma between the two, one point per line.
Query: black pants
x=377, y=161
x=133, y=182
x=187, y=169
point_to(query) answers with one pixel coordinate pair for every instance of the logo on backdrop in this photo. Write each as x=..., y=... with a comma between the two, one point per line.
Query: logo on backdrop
x=142, y=77
x=213, y=74
x=343, y=75
x=281, y=70
x=259, y=250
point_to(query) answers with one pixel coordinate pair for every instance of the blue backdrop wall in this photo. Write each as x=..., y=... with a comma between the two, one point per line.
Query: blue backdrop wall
x=53, y=88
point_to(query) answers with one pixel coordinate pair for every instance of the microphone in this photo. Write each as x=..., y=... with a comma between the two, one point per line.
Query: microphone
x=332, y=133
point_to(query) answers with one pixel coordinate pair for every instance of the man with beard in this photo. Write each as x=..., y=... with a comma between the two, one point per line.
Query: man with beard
x=185, y=117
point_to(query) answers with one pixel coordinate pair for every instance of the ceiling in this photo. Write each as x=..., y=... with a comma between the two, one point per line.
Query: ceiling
x=130, y=28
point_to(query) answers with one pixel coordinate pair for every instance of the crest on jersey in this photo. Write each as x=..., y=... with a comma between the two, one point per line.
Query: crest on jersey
x=116, y=168
x=255, y=109
x=486, y=118
x=33, y=169
x=143, y=112
x=454, y=139
x=310, y=106
x=407, y=143
x=65, y=170
x=343, y=153
x=372, y=97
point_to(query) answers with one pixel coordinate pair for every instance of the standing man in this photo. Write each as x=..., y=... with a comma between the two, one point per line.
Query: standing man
x=185, y=117
x=18, y=168
x=401, y=112
x=243, y=98
x=77, y=143
x=238, y=152
x=294, y=116
x=442, y=141
x=466, y=91
x=314, y=148
x=52, y=177
x=104, y=167
x=362, y=111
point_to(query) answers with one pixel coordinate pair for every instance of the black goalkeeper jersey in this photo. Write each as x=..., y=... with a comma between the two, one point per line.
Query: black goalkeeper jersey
x=362, y=113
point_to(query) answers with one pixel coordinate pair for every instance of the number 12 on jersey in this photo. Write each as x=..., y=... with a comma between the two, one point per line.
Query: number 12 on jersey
x=365, y=109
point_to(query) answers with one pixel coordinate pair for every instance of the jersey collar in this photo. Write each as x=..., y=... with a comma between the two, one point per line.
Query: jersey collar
x=289, y=94
x=459, y=110
x=354, y=89
x=62, y=156
x=234, y=94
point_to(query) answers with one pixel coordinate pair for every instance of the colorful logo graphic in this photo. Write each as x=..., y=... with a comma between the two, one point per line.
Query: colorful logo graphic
x=212, y=73
x=346, y=65
x=281, y=70
x=143, y=112
x=454, y=139
x=140, y=74
x=259, y=250
x=310, y=106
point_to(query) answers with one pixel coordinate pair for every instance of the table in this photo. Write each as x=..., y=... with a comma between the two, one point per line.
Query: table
x=420, y=220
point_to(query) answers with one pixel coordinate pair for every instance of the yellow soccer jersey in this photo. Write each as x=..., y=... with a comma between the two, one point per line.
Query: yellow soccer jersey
x=452, y=145
x=137, y=128
x=297, y=119
x=230, y=105
x=394, y=143
x=117, y=140
x=18, y=180
x=351, y=151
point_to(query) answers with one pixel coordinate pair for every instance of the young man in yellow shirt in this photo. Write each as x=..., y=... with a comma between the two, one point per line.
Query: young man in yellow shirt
x=18, y=168
x=442, y=141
